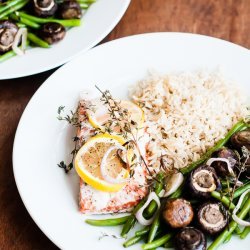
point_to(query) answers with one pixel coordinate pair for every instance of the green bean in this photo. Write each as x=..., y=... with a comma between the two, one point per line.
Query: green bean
x=66, y=23
x=9, y=5
x=86, y=1
x=228, y=239
x=143, y=231
x=7, y=56
x=130, y=223
x=224, y=199
x=149, y=211
x=169, y=244
x=108, y=222
x=224, y=183
x=13, y=8
x=237, y=230
x=25, y=21
x=245, y=232
x=178, y=193
x=38, y=41
x=84, y=5
x=157, y=243
x=131, y=219
x=20, y=25
x=237, y=127
x=232, y=225
x=154, y=227
x=133, y=241
x=239, y=191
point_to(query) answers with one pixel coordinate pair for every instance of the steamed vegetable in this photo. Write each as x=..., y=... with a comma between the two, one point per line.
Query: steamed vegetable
x=108, y=222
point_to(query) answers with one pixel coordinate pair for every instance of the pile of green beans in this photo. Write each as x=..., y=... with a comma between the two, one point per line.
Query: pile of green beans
x=15, y=10
x=39, y=20
x=11, y=6
x=150, y=233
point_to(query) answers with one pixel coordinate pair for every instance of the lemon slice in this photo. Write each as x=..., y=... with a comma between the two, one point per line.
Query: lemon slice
x=100, y=115
x=89, y=159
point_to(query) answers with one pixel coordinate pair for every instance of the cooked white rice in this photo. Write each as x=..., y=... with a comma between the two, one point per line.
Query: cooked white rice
x=186, y=113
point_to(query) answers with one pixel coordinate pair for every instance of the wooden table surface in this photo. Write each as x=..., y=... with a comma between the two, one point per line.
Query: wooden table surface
x=226, y=19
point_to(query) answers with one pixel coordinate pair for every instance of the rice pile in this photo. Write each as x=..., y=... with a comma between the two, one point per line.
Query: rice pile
x=187, y=113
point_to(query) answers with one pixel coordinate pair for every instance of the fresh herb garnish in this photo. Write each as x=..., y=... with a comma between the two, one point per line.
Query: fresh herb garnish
x=120, y=118
x=72, y=119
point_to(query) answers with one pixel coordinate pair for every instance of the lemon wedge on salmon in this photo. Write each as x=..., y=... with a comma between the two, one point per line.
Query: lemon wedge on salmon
x=89, y=159
x=100, y=115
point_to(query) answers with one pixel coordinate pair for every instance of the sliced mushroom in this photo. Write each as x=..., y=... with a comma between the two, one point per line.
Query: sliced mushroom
x=44, y=8
x=190, y=238
x=70, y=9
x=240, y=139
x=8, y=31
x=178, y=213
x=212, y=217
x=202, y=181
x=52, y=32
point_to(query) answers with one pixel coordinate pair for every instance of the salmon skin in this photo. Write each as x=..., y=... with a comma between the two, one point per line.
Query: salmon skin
x=92, y=201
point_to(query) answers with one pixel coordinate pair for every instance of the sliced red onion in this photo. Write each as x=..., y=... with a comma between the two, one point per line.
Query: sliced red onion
x=105, y=175
x=162, y=193
x=235, y=217
x=230, y=170
x=139, y=214
x=173, y=183
x=21, y=34
x=239, y=183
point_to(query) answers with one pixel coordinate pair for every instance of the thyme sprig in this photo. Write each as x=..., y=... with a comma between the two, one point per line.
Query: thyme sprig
x=105, y=234
x=241, y=165
x=71, y=119
x=128, y=128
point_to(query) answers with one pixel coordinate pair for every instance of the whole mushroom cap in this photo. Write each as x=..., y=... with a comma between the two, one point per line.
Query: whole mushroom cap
x=8, y=31
x=190, y=238
x=178, y=213
x=52, y=32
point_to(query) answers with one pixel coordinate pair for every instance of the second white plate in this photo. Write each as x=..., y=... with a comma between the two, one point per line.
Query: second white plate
x=97, y=22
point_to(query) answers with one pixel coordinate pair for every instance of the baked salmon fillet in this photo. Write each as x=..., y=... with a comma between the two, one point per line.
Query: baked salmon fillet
x=92, y=201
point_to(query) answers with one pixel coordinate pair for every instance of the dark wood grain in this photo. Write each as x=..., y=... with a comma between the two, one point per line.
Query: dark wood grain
x=226, y=19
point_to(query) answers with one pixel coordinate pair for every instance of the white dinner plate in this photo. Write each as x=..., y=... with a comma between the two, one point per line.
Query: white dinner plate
x=97, y=22
x=51, y=196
